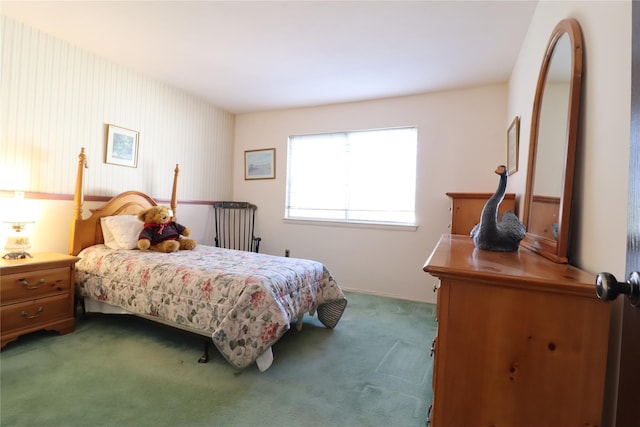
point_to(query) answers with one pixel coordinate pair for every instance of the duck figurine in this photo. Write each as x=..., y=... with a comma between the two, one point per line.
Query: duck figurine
x=502, y=236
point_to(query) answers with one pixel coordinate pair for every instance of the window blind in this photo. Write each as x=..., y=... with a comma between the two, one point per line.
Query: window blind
x=359, y=176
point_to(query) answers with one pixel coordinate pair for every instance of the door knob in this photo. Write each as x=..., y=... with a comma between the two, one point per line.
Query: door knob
x=608, y=287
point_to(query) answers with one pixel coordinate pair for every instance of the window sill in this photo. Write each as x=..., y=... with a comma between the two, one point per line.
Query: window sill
x=352, y=224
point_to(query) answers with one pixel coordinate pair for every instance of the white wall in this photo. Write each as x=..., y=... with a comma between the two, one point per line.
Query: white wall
x=461, y=140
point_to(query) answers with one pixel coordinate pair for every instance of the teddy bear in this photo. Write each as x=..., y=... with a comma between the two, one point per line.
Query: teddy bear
x=160, y=233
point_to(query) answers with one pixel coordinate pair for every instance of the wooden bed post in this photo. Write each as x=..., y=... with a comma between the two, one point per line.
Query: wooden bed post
x=78, y=196
x=78, y=199
x=174, y=202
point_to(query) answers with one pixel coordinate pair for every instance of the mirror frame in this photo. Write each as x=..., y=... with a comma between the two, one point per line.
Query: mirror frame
x=556, y=250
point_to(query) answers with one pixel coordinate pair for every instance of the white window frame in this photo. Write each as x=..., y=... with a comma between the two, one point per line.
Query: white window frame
x=326, y=166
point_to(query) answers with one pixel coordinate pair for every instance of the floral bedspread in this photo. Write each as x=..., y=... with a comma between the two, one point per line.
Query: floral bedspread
x=246, y=300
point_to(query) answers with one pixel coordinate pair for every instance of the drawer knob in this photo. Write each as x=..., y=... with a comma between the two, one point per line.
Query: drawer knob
x=29, y=286
x=33, y=316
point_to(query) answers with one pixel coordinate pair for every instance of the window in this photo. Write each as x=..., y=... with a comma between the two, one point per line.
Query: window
x=361, y=176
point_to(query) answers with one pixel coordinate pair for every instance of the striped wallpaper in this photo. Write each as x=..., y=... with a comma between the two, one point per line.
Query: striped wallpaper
x=56, y=98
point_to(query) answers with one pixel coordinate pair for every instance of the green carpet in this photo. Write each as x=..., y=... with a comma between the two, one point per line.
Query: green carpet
x=374, y=369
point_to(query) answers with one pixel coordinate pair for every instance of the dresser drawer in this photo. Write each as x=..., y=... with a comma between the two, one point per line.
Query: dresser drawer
x=33, y=313
x=33, y=284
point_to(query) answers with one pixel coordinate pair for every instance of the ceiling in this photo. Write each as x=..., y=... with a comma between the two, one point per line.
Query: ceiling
x=247, y=56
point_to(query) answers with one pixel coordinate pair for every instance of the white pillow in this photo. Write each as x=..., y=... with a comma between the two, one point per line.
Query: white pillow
x=107, y=236
x=121, y=231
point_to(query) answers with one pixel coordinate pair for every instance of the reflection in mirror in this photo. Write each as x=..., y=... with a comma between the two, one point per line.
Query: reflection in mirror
x=552, y=147
x=547, y=181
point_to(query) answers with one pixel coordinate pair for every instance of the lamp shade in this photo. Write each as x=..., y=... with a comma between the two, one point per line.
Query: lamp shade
x=18, y=210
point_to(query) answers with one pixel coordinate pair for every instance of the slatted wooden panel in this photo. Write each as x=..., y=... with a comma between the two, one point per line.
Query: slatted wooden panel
x=235, y=226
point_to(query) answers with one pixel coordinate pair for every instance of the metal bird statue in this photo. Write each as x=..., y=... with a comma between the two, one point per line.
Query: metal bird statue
x=502, y=236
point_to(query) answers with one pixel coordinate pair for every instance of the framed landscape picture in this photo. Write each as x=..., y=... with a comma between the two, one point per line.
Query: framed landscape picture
x=122, y=146
x=260, y=164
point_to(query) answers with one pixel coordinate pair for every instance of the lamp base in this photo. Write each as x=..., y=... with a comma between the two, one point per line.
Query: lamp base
x=17, y=255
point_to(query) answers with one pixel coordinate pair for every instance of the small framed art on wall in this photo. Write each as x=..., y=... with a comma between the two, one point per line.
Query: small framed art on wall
x=260, y=164
x=122, y=146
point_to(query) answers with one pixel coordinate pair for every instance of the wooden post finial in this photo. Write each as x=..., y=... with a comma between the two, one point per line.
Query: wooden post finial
x=174, y=201
x=78, y=198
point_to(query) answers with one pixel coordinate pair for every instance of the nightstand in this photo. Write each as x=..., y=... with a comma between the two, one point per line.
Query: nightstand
x=36, y=293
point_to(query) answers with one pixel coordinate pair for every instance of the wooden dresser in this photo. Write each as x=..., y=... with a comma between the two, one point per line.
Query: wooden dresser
x=466, y=209
x=36, y=293
x=521, y=341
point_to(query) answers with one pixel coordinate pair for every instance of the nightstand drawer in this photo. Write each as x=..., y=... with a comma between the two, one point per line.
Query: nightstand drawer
x=34, y=313
x=36, y=293
x=33, y=284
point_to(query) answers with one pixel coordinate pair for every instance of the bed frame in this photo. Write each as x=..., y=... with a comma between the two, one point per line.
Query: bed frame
x=88, y=232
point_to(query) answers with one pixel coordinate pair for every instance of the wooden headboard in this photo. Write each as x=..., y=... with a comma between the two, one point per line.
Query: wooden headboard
x=88, y=232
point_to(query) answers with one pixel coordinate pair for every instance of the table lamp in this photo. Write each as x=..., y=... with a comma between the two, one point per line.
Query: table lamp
x=18, y=215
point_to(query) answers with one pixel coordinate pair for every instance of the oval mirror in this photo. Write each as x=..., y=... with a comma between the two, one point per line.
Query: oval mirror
x=554, y=128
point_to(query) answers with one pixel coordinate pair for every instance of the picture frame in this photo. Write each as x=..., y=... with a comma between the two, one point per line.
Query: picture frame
x=121, y=146
x=260, y=164
x=513, y=145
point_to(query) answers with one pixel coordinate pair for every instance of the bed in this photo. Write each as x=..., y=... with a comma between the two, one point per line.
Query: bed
x=243, y=302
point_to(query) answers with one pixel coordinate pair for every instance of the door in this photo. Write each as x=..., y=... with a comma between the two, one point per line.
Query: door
x=622, y=399
x=628, y=400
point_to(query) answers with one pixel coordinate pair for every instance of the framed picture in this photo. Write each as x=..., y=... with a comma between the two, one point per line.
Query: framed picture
x=513, y=143
x=260, y=164
x=122, y=146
